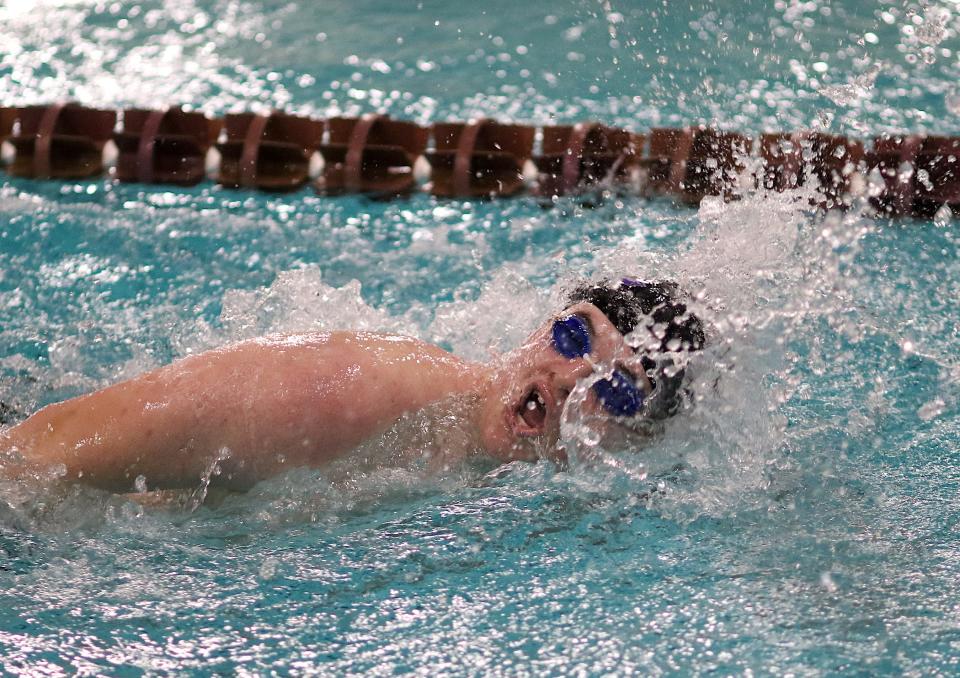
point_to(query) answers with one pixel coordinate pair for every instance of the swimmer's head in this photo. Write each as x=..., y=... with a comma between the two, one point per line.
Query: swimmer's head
x=661, y=328
x=632, y=331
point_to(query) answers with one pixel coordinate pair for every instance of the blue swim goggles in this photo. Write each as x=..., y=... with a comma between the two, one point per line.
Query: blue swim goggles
x=618, y=393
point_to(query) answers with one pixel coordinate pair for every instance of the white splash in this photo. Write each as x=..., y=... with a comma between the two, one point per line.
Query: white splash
x=853, y=92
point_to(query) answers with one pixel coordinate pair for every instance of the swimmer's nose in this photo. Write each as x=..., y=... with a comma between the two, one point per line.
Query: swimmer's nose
x=569, y=372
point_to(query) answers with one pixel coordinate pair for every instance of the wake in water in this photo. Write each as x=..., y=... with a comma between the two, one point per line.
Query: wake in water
x=778, y=287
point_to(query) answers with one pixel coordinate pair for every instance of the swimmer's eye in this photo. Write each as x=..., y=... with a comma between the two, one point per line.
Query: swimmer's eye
x=571, y=336
x=619, y=394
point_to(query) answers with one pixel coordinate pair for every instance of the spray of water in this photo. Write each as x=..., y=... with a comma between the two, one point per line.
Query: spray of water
x=774, y=282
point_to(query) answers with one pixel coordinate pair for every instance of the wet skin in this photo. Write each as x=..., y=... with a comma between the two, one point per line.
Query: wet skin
x=279, y=402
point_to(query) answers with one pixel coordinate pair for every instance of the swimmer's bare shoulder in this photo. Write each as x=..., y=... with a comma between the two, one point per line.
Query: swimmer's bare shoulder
x=260, y=406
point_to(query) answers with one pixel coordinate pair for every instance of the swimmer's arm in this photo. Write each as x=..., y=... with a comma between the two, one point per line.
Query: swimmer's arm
x=169, y=425
x=109, y=437
x=259, y=407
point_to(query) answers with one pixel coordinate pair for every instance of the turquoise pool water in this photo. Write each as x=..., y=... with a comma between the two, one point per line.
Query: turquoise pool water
x=802, y=520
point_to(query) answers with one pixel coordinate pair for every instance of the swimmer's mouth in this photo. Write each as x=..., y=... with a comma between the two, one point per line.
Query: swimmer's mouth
x=530, y=416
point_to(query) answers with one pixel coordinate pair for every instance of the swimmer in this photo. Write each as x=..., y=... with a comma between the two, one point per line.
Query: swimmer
x=261, y=407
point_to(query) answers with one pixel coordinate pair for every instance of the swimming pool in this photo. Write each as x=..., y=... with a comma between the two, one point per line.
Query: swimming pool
x=803, y=519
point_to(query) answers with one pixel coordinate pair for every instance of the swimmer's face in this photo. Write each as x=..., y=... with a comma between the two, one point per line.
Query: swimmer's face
x=534, y=381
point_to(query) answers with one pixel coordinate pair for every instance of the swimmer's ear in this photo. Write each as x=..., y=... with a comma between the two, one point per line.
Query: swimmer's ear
x=672, y=392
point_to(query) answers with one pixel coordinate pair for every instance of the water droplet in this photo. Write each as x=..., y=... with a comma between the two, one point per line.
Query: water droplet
x=933, y=27
x=932, y=409
x=875, y=183
x=905, y=172
x=952, y=102
x=855, y=90
x=268, y=568
x=943, y=216
x=589, y=436
x=826, y=581
x=711, y=208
